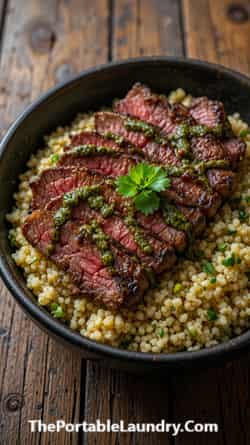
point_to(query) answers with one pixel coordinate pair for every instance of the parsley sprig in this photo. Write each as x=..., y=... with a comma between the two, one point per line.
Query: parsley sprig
x=143, y=183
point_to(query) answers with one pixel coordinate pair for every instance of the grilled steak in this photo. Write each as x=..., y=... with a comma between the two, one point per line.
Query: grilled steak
x=88, y=229
x=107, y=122
x=140, y=102
x=161, y=256
x=212, y=113
x=47, y=191
x=208, y=112
x=82, y=260
x=183, y=191
x=105, y=164
x=54, y=182
x=235, y=150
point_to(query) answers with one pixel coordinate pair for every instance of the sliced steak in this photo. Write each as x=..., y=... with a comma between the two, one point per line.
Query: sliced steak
x=45, y=186
x=207, y=148
x=82, y=260
x=106, y=165
x=185, y=192
x=140, y=102
x=212, y=113
x=108, y=122
x=195, y=217
x=91, y=138
x=54, y=182
x=222, y=181
x=208, y=112
x=235, y=149
x=202, y=148
x=161, y=257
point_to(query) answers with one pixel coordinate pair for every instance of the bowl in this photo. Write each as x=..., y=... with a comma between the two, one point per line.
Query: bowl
x=87, y=91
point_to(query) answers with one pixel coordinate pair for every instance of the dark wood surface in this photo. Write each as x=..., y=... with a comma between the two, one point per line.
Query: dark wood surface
x=43, y=42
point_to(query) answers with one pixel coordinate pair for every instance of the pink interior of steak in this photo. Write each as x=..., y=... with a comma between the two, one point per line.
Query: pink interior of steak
x=82, y=260
x=116, y=145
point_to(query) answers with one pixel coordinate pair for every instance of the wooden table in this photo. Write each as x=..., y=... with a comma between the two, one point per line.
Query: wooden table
x=43, y=42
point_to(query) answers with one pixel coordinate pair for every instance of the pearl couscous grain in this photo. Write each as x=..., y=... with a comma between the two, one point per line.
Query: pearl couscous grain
x=199, y=304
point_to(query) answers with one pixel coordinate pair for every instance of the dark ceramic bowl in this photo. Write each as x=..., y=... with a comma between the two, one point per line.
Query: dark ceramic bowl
x=87, y=91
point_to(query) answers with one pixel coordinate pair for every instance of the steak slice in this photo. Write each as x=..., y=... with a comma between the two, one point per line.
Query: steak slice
x=92, y=138
x=222, y=181
x=74, y=178
x=195, y=217
x=54, y=182
x=207, y=148
x=235, y=149
x=106, y=165
x=212, y=113
x=208, y=112
x=140, y=102
x=161, y=257
x=183, y=190
x=108, y=122
x=203, y=148
x=82, y=260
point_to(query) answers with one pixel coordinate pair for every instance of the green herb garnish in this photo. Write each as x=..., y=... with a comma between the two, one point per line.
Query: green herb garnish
x=161, y=332
x=57, y=310
x=222, y=247
x=143, y=183
x=177, y=288
x=213, y=280
x=54, y=158
x=247, y=199
x=192, y=332
x=230, y=261
x=212, y=315
x=209, y=268
x=231, y=232
x=243, y=215
x=244, y=133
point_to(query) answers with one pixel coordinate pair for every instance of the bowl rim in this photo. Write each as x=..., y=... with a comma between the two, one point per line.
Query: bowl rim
x=63, y=331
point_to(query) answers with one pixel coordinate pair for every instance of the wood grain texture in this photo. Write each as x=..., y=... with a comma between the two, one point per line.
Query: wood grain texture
x=43, y=43
x=218, y=31
x=148, y=27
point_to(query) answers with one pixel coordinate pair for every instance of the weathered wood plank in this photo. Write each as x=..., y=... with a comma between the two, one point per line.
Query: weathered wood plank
x=44, y=43
x=218, y=31
x=151, y=27
x=139, y=28
x=214, y=32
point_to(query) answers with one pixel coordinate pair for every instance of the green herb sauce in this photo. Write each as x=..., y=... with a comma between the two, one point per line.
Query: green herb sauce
x=130, y=221
x=71, y=199
x=141, y=126
x=101, y=240
x=119, y=140
x=181, y=138
x=175, y=218
x=90, y=150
